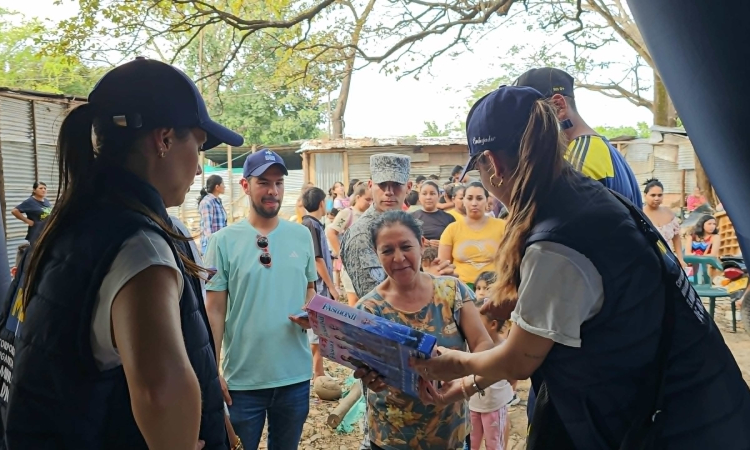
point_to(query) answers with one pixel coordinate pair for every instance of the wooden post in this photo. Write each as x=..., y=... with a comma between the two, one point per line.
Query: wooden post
x=35, y=142
x=683, y=198
x=230, y=184
x=311, y=166
x=203, y=170
x=305, y=167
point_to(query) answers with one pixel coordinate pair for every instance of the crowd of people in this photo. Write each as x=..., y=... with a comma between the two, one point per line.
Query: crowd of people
x=537, y=259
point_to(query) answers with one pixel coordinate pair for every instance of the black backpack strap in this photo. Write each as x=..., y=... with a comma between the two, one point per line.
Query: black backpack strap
x=647, y=428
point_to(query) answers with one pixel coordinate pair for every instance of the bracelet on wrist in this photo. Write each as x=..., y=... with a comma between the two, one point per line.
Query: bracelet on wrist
x=238, y=445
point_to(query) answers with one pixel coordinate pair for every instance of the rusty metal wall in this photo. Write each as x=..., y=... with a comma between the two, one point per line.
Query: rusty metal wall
x=48, y=117
x=670, y=176
x=17, y=146
x=329, y=168
x=686, y=158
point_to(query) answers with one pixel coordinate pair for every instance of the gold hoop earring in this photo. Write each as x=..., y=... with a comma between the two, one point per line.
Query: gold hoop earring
x=494, y=183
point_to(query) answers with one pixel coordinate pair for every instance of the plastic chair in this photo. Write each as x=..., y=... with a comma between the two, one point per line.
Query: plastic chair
x=701, y=281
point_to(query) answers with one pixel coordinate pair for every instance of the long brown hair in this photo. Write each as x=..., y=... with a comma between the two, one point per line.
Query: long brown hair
x=541, y=160
x=79, y=162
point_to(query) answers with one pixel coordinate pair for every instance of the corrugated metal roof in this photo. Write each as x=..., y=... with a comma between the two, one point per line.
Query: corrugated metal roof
x=33, y=95
x=668, y=130
x=337, y=144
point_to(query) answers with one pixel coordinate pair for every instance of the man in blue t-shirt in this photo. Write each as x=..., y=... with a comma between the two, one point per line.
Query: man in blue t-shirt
x=588, y=152
x=265, y=274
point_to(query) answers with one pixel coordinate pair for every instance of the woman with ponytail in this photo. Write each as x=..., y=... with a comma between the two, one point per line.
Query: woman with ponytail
x=616, y=343
x=113, y=348
x=213, y=214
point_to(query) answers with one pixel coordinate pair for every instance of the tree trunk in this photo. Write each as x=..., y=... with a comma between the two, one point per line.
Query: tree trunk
x=337, y=116
x=664, y=112
x=704, y=184
x=665, y=115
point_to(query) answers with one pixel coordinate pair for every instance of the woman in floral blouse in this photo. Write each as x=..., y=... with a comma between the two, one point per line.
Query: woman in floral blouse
x=441, y=306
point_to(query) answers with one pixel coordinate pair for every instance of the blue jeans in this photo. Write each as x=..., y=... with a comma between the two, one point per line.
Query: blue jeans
x=286, y=408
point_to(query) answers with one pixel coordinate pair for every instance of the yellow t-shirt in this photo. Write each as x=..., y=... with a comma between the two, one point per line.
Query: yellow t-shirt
x=473, y=251
x=456, y=215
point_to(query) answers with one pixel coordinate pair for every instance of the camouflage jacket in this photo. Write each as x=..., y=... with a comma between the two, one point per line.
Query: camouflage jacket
x=359, y=257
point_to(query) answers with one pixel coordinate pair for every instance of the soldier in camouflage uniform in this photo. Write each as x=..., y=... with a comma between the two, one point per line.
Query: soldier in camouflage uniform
x=389, y=183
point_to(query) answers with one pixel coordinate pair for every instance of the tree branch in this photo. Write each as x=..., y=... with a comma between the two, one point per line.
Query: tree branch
x=617, y=91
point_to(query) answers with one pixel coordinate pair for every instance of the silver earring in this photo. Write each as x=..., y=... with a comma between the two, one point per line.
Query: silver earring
x=161, y=152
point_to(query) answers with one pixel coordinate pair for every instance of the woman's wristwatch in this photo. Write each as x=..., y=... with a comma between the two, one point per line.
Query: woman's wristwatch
x=476, y=387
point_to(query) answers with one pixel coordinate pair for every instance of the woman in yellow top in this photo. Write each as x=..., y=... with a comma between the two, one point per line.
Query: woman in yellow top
x=470, y=243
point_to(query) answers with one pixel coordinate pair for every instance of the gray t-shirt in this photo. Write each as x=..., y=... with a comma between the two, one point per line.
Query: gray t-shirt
x=359, y=257
x=560, y=290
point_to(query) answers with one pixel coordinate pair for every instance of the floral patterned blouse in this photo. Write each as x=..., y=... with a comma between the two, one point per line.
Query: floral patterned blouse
x=670, y=230
x=399, y=422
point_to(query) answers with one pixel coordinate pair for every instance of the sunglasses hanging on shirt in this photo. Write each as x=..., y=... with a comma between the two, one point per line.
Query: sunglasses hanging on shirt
x=265, y=257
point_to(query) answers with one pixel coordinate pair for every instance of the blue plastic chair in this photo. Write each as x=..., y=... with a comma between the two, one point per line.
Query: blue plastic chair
x=701, y=279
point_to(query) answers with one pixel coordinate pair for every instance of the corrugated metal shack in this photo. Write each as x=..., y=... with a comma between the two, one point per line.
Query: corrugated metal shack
x=326, y=161
x=29, y=124
x=667, y=155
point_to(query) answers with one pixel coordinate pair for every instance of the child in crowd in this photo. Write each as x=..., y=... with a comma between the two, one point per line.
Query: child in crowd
x=337, y=266
x=428, y=255
x=489, y=413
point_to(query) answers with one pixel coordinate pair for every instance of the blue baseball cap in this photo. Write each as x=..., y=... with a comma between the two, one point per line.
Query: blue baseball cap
x=257, y=163
x=148, y=94
x=498, y=120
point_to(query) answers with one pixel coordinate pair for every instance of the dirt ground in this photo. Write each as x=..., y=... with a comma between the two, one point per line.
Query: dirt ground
x=318, y=436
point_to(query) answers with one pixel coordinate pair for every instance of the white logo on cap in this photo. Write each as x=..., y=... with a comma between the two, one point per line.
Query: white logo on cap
x=270, y=156
x=482, y=141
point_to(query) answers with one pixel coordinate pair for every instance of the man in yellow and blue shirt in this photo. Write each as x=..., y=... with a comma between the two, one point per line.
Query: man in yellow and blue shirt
x=590, y=153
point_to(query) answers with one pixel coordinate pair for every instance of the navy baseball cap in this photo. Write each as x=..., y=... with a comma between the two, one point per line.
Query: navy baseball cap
x=498, y=120
x=257, y=163
x=548, y=80
x=148, y=94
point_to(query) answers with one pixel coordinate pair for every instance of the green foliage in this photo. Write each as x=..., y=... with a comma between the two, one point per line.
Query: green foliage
x=246, y=92
x=432, y=129
x=641, y=131
x=25, y=67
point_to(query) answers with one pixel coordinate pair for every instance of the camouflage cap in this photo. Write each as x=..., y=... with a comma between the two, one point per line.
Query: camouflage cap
x=393, y=167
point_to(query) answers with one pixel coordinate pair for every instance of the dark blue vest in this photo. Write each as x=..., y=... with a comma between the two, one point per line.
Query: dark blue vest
x=58, y=397
x=595, y=388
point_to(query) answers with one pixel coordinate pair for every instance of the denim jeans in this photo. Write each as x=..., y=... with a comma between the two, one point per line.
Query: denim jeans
x=286, y=408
